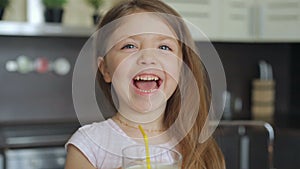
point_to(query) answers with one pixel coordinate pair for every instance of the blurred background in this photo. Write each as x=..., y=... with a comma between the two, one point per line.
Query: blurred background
x=258, y=42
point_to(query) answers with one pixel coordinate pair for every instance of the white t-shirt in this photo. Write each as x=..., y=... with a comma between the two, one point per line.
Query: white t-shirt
x=102, y=143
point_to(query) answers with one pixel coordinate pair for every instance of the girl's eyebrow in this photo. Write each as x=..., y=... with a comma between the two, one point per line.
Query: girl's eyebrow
x=171, y=40
x=168, y=38
x=137, y=38
x=159, y=37
x=124, y=39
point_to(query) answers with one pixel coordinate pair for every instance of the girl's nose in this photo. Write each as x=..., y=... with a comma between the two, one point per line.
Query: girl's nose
x=147, y=57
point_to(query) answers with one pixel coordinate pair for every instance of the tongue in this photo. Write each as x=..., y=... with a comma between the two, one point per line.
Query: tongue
x=146, y=85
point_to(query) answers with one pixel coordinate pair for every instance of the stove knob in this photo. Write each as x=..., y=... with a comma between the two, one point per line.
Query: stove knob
x=61, y=66
x=24, y=64
x=11, y=66
x=42, y=65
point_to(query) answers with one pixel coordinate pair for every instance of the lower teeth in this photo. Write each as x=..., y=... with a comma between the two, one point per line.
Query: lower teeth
x=147, y=91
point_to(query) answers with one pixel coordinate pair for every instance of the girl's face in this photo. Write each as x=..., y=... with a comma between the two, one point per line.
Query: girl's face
x=143, y=63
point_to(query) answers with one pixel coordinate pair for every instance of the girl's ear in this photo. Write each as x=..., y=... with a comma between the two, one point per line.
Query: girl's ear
x=103, y=69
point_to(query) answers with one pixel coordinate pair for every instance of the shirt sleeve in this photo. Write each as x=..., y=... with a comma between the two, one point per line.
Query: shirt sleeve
x=81, y=141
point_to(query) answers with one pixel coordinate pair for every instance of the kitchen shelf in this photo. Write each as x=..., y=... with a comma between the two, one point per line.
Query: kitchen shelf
x=8, y=28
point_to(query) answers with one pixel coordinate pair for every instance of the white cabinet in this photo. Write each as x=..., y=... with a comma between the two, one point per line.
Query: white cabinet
x=218, y=19
x=279, y=19
x=204, y=14
x=243, y=20
x=237, y=19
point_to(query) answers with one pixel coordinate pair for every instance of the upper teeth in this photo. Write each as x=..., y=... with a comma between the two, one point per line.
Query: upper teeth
x=146, y=78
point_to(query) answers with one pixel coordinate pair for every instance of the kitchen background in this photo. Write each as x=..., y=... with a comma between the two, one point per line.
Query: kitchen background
x=37, y=58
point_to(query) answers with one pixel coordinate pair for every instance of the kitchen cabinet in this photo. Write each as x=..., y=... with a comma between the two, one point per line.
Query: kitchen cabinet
x=219, y=20
x=1, y=161
x=243, y=20
x=248, y=147
x=237, y=20
x=34, y=158
x=279, y=20
x=34, y=146
x=202, y=14
x=225, y=20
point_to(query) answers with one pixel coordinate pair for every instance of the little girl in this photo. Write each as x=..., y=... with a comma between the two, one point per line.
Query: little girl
x=152, y=77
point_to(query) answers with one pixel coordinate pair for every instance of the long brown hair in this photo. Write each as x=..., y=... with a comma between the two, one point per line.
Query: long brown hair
x=196, y=155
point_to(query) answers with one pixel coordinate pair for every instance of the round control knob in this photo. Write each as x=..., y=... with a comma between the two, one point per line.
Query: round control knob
x=61, y=66
x=25, y=65
x=41, y=65
x=11, y=66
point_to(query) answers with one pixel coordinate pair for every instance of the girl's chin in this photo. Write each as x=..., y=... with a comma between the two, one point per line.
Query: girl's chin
x=146, y=106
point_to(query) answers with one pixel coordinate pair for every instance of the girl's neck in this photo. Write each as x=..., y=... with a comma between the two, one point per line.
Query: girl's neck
x=154, y=129
x=151, y=120
x=152, y=126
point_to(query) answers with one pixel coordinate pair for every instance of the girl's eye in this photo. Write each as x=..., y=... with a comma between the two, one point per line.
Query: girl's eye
x=165, y=47
x=128, y=46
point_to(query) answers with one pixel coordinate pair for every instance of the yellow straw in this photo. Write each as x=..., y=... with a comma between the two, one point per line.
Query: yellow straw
x=146, y=146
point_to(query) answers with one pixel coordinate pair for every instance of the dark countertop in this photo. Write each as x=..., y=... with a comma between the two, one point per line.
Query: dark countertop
x=35, y=135
x=286, y=144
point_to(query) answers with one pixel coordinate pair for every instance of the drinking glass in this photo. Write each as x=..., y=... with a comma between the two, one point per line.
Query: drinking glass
x=134, y=157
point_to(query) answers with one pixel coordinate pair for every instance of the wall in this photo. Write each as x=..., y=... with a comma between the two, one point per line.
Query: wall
x=240, y=62
x=295, y=86
x=35, y=97
x=41, y=98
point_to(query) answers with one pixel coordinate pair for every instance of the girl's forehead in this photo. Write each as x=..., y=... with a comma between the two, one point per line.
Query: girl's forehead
x=139, y=24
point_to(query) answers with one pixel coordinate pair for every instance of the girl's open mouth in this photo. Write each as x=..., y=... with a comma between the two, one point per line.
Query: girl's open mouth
x=147, y=83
